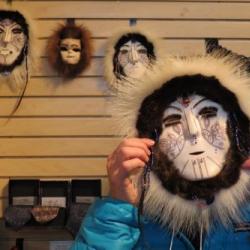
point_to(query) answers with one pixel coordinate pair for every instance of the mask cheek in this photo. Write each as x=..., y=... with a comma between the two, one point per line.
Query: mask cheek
x=172, y=141
x=72, y=58
x=144, y=59
x=215, y=134
x=123, y=59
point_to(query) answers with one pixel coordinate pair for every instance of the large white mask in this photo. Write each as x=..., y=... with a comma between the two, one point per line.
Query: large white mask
x=12, y=41
x=70, y=49
x=194, y=136
x=133, y=58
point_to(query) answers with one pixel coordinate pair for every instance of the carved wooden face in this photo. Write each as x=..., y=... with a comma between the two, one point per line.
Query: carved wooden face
x=133, y=58
x=70, y=49
x=12, y=41
x=194, y=137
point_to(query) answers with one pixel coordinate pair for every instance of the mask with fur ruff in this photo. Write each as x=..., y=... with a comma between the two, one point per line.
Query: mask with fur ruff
x=16, y=74
x=113, y=70
x=179, y=203
x=69, y=31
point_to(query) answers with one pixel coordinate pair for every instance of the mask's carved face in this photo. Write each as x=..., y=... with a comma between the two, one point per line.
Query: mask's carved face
x=133, y=58
x=70, y=50
x=12, y=41
x=202, y=141
x=194, y=137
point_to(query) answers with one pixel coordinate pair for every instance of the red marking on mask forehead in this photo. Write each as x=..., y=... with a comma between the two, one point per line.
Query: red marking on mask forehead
x=184, y=101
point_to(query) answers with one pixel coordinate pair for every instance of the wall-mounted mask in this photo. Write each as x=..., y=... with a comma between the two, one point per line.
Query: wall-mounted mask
x=199, y=108
x=15, y=52
x=129, y=55
x=14, y=37
x=69, y=50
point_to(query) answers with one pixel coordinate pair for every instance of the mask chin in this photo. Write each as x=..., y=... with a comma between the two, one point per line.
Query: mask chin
x=205, y=189
x=6, y=69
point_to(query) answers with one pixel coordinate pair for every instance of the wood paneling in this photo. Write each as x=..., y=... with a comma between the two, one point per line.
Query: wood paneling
x=61, y=106
x=65, y=126
x=24, y=167
x=3, y=205
x=175, y=28
x=57, y=146
x=131, y=9
x=3, y=187
x=56, y=86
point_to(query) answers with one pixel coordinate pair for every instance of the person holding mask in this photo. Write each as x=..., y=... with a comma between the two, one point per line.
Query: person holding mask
x=185, y=189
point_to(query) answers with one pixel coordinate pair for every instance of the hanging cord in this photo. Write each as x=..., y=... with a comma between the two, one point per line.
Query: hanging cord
x=25, y=86
x=242, y=142
x=146, y=178
x=172, y=239
x=145, y=186
x=201, y=234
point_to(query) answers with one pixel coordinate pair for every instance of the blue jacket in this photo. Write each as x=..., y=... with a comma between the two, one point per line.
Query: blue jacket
x=112, y=224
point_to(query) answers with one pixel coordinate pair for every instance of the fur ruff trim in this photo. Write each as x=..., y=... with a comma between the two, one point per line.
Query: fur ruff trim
x=180, y=214
x=109, y=75
x=228, y=69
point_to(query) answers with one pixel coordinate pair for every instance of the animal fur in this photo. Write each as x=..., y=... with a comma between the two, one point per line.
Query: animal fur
x=138, y=109
x=69, y=31
x=113, y=78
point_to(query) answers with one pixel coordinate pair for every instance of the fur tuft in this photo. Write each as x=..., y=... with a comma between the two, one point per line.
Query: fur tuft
x=184, y=215
x=230, y=72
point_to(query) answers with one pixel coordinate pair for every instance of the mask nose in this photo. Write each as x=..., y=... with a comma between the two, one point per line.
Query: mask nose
x=192, y=126
x=133, y=55
x=7, y=37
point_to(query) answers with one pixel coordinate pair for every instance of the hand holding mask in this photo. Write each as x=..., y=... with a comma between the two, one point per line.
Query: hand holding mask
x=199, y=107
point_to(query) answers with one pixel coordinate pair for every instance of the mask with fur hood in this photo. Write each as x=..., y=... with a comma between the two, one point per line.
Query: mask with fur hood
x=196, y=179
x=128, y=55
x=70, y=50
x=16, y=55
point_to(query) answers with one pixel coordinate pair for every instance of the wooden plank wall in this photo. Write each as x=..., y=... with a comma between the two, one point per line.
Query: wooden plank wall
x=62, y=130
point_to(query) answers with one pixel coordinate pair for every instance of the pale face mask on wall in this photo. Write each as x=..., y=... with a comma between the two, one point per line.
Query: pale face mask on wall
x=194, y=137
x=70, y=50
x=133, y=59
x=12, y=41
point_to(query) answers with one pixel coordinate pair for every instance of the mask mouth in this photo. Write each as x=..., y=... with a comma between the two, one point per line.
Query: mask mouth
x=197, y=153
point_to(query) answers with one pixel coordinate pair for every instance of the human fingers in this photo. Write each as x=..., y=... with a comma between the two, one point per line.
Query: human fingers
x=131, y=166
x=143, y=143
x=246, y=164
x=127, y=153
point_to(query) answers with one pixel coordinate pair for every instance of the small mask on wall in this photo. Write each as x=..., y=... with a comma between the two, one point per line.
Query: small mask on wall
x=70, y=50
x=14, y=38
x=129, y=55
x=15, y=51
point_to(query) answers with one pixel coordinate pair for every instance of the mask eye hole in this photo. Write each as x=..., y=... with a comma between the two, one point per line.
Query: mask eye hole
x=142, y=51
x=17, y=31
x=76, y=49
x=172, y=120
x=123, y=51
x=63, y=48
x=208, y=112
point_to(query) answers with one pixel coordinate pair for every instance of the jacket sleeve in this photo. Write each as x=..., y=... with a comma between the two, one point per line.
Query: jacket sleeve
x=109, y=224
